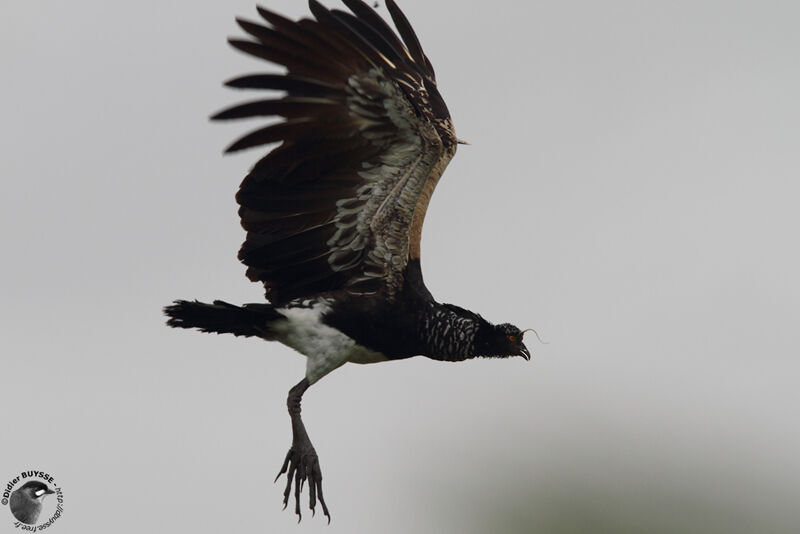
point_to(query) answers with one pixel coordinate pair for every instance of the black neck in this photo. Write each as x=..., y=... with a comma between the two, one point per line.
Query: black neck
x=414, y=282
x=449, y=333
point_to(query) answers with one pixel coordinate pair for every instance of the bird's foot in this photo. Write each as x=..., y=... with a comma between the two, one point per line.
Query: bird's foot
x=301, y=465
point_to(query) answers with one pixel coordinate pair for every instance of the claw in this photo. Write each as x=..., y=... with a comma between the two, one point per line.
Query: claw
x=288, y=490
x=312, y=495
x=284, y=466
x=322, y=500
x=297, y=488
x=301, y=467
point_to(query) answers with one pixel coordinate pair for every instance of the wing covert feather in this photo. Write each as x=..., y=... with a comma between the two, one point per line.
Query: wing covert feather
x=365, y=136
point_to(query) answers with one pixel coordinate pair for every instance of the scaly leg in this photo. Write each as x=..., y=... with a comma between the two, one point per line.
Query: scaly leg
x=301, y=460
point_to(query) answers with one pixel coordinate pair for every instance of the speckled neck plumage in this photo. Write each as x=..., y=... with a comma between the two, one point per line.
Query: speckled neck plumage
x=449, y=332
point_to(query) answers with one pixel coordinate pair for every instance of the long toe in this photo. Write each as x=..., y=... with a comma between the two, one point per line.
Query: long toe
x=300, y=466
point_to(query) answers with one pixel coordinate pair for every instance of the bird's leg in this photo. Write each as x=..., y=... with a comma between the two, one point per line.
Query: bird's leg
x=301, y=461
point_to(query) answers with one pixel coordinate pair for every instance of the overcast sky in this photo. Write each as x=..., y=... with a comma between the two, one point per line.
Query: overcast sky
x=631, y=191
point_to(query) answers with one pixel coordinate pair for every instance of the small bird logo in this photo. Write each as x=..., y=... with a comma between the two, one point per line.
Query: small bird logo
x=26, y=502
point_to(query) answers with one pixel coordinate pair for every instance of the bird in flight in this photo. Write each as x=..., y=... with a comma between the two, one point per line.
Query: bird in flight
x=334, y=212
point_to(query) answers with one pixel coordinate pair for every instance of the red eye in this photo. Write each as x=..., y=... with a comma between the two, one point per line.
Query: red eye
x=512, y=338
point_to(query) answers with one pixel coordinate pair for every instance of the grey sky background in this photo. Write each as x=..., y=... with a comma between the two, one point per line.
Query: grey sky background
x=631, y=192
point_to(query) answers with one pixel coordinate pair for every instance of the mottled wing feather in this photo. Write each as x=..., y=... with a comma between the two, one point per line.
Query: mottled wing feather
x=365, y=135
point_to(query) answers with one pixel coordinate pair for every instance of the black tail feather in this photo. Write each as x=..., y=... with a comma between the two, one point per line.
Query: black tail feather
x=222, y=318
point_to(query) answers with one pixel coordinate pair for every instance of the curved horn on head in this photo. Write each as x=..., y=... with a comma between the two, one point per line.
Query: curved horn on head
x=537, y=335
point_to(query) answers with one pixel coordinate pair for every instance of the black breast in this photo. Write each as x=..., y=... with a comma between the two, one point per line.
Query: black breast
x=393, y=326
x=388, y=327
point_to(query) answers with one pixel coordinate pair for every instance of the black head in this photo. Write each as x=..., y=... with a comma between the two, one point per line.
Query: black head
x=35, y=489
x=502, y=341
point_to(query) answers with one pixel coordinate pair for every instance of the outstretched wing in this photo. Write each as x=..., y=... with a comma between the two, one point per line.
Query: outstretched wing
x=339, y=203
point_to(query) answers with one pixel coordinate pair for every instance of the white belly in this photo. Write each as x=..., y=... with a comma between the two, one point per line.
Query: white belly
x=325, y=347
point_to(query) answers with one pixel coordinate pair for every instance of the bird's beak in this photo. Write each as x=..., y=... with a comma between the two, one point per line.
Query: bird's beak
x=48, y=491
x=524, y=352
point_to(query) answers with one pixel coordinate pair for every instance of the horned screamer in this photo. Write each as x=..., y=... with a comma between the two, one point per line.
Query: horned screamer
x=334, y=213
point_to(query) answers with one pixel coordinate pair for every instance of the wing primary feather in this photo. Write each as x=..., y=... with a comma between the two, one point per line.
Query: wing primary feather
x=389, y=55
x=295, y=63
x=429, y=67
x=304, y=161
x=290, y=107
x=313, y=35
x=304, y=128
x=328, y=19
x=278, y=21
x=268, y=134
x=406, y=32
x=317, y=39
x=291, y=83
x=379, y=26
x=268, y=35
